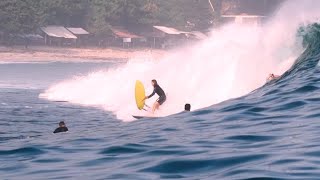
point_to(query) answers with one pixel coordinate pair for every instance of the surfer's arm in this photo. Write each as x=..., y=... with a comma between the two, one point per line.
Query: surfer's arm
x=152, y=94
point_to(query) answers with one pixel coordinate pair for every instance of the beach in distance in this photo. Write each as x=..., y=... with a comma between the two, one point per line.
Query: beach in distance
x=71, y=54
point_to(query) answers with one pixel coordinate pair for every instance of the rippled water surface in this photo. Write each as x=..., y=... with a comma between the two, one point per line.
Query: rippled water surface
x=271, y=133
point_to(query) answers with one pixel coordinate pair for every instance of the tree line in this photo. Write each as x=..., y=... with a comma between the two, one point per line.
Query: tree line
x=97, y=16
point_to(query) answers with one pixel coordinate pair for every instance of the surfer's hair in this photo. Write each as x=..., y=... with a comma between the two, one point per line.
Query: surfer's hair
x=154, y=81
x=187, y=107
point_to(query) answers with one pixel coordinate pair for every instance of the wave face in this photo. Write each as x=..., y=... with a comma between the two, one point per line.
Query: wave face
x=233, y=61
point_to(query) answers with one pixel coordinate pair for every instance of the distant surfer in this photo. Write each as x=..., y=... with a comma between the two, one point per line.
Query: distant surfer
x=187, y=107
x=157, y=90
x=272, y=77
x=62, y=128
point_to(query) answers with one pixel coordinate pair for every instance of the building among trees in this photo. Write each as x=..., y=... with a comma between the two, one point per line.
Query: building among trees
x=99, y=16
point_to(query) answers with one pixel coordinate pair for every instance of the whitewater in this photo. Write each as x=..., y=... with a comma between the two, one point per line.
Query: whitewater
x=233, y=61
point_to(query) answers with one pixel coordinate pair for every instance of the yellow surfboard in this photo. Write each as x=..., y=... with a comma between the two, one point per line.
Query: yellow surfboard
x=140, y=94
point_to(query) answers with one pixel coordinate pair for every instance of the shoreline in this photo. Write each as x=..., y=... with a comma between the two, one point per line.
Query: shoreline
x=68, y=54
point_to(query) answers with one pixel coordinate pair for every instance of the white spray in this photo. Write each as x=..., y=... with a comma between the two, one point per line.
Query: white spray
x=233, y=61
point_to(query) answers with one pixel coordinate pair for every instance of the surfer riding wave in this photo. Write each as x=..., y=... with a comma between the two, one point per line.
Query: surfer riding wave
x=157, y=90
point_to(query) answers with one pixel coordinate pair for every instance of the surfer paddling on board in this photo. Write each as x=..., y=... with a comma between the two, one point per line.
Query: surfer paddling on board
x=157, y=90
x=272, y=77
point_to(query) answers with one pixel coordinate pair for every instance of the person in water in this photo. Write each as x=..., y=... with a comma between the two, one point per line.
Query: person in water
x=157, y=90
x=272, y=77
x=187, y=107
x=62, y=128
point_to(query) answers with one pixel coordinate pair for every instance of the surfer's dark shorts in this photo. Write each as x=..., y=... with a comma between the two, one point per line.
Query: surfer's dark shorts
x=161, y=99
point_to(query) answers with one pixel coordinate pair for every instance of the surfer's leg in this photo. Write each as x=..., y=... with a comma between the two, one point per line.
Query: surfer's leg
x=155, y=106
x=161, y=100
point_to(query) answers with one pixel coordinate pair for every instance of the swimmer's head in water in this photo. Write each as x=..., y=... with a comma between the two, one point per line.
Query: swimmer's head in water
x=187, y=107
x=62, y=124
x=154, y=82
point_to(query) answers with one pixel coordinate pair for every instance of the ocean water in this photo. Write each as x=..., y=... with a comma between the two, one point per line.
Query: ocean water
x=240, y=128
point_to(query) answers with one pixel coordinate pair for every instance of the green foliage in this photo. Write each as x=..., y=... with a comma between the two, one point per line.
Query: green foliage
x=18, y=17
x=63, y=12
x=25, y=16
